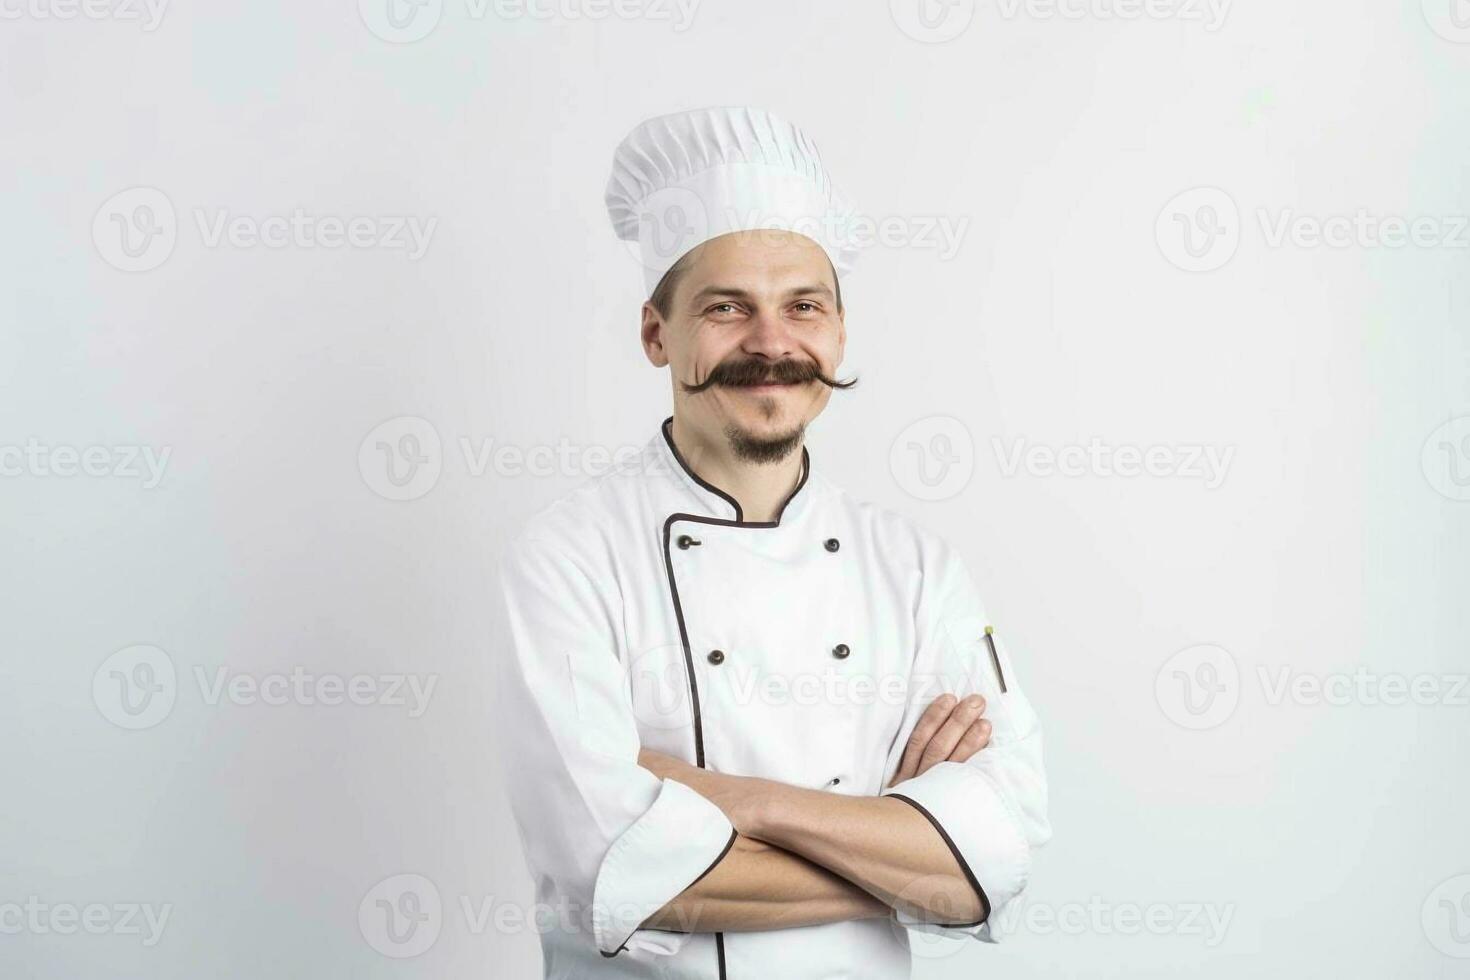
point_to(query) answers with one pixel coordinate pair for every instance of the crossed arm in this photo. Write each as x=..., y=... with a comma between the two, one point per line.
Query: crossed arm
x=805, y=857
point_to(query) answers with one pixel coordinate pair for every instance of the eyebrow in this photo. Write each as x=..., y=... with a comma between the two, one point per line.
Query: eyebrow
x=711, y=292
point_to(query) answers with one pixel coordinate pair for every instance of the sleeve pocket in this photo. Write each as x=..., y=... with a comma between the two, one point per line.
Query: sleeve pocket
x=979, y=653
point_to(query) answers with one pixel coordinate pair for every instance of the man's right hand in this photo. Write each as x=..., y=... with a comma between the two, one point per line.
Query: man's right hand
x=950, y=730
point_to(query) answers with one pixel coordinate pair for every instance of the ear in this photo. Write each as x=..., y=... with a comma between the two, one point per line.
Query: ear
x=652, y=334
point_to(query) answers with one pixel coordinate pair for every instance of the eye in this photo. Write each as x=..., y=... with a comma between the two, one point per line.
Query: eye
x=722, y=309
x=806, y=306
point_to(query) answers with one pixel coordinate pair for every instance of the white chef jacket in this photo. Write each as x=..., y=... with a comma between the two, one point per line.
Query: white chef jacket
x=644, y=611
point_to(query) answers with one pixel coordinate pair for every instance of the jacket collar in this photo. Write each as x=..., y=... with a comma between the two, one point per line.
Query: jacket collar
x=714, y=502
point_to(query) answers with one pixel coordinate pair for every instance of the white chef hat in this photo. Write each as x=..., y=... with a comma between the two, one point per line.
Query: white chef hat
x=682, y=179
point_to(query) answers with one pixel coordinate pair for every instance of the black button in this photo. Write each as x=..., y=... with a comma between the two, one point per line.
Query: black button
x=840, y=651
x=716, y=657
x=832, y=544
x=685, y=541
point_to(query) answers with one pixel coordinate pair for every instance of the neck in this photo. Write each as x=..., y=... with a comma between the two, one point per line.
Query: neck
x=761, y=489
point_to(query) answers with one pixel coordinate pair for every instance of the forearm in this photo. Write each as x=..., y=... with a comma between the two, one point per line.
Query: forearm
x=758, y=886
x=883, y=845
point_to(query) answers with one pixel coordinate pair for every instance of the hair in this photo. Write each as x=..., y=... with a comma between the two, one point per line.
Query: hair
x=663, y=294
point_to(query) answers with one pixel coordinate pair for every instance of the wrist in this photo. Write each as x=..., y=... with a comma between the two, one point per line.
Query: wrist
x=768, y=809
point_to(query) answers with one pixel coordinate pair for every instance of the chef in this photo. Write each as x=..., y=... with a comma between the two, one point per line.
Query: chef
x=754, y=727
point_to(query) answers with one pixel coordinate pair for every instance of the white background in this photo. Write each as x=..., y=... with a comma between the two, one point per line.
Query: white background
x=1331, y=835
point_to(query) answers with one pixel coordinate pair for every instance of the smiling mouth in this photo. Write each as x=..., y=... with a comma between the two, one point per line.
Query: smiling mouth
x=767, y=386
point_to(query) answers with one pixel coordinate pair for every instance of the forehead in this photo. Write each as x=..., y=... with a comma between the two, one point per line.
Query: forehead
x=766, y=261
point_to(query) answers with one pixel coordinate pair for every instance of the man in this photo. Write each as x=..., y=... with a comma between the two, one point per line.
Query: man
x=754, y=727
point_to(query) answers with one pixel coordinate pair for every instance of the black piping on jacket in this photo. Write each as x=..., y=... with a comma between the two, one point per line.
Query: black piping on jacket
x=964, y=865
x=737, y=521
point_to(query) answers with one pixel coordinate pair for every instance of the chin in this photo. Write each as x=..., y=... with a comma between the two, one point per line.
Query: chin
x=760, y=438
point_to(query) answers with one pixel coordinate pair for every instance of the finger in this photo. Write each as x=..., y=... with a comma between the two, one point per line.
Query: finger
x=944, y=741
x=934, y=716
x=976, y=737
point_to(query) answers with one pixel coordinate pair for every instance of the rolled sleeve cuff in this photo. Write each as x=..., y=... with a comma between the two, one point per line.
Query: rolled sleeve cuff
x=677, y=841
x=983, y=832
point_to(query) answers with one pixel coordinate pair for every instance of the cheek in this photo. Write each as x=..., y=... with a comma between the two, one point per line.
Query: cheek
x=708, y=353
x=826, y=349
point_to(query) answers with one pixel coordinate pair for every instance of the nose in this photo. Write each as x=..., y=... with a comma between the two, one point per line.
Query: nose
x=768, y=336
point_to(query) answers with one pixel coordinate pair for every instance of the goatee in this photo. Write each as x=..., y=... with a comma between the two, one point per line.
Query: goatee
x=763, y=449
